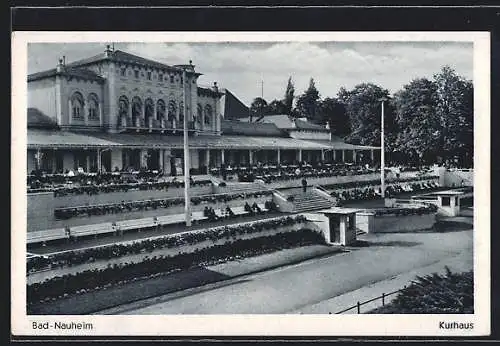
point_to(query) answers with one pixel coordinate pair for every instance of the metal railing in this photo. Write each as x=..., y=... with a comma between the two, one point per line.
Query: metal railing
x=359, y=304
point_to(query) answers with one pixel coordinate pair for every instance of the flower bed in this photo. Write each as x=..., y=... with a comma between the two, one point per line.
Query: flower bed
x=90, y=210
x=367, y=191
x=365, y=183
x=420, y=209
x=59, y=287
x=148, y=245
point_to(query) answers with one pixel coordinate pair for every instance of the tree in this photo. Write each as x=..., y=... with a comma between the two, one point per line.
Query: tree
x=276, y=107
x=307, y=103
x=419, y=125
x=333, y=112
x=258, y=107
x=363, y=107
x=289, y=96
x=455, y=110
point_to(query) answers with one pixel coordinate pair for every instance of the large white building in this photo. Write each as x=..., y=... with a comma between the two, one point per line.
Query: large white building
x=117, y=111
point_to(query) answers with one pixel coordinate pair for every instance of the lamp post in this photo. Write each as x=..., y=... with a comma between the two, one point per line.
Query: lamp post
x=382, y=149
x=187, y=200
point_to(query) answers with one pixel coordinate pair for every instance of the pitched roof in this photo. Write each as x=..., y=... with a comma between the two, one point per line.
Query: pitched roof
x=121, y=56
x=234, y=108
x=286, y=122
x=67, y=71
x=234, y=127
x=37, y=119
x=116, y=55
x=282, y=121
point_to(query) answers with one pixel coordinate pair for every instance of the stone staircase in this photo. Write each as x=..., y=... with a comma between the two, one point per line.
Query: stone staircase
x=236, y=187
x=310, y=201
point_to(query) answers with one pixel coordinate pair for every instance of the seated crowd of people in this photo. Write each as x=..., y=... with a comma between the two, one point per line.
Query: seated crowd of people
x=274, y=173
x=95, y=183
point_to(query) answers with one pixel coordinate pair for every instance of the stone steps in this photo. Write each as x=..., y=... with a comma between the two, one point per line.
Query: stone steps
x=310, y=201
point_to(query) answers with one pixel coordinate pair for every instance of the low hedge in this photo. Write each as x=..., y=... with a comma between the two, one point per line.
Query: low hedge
x=148, y=245
x=373, y=182
x=114, y=208
x=89, y=280
x=452, y=293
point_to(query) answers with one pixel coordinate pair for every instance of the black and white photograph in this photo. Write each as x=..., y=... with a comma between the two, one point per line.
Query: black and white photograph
x=318, y=183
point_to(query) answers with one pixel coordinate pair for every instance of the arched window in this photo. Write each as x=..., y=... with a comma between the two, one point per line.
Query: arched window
x=149, y=104
x=93, y=107
x=172, y=109
x=199, y=114
x=160, y=109
x=77, y=106
x=208, y=115
x=181, y=113
x=123, y=106
x=136, y=109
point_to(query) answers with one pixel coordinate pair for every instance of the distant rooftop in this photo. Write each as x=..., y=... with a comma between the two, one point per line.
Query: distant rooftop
x=286, y=122
x=37, y=119
x=234, y=127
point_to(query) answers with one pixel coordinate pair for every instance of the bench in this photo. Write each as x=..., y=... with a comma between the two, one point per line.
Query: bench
x=95, y=229
x=128, y=225
x=44, y=236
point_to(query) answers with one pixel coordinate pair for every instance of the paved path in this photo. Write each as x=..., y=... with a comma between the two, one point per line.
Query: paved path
x=311, y=286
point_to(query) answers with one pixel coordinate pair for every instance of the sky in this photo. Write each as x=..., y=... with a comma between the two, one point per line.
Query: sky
x=241, y=67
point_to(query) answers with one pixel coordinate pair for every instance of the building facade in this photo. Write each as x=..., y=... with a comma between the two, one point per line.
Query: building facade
x=117, y=111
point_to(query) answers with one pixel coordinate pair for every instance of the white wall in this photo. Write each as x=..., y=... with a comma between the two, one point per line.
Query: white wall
x=304, y=134
x=319, y=222
x=408, y=223
x=40, y=210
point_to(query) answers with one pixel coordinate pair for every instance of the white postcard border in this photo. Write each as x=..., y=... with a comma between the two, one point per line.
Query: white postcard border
x=257, y=325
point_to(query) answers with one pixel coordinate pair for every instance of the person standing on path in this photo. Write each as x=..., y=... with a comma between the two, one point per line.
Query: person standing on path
x=304, y=185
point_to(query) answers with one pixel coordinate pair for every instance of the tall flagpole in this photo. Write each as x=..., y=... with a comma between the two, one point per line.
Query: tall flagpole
x=187, y=200
x=262, y=85
x=382, y=153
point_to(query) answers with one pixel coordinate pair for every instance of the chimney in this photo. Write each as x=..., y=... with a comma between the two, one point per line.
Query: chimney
x=215, y=87
x=108, y=51
x=60, y=65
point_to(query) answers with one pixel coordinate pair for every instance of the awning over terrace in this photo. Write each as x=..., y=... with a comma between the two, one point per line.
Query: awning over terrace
x=66, y=139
